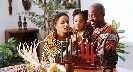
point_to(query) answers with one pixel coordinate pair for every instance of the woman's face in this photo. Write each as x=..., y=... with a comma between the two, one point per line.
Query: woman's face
x=62, y=24
x=79, y=22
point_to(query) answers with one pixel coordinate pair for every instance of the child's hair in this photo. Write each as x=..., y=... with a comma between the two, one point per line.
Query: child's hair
x=83, y=12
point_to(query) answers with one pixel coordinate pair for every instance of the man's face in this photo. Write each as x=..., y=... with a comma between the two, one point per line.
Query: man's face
x=94, y=16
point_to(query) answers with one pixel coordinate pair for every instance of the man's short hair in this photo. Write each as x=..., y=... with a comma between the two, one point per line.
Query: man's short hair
x=99, y=7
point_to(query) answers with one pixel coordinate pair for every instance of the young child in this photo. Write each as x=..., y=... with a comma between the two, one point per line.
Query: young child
x=79, y=20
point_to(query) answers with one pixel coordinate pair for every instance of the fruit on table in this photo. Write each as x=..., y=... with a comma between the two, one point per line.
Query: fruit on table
x=52, y=68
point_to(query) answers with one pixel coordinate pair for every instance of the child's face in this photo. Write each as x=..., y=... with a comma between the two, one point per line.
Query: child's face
x=62, y=24
x=79, y=22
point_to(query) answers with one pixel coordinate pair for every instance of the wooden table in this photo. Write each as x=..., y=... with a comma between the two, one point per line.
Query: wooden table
x=117, y=69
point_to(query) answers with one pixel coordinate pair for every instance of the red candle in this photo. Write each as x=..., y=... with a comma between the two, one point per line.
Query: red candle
x=71, y=48
x=82, y=48
x=92, y=54
x=87, y=51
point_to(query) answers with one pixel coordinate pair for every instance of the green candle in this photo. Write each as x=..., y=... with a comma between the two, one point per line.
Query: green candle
x=61, y=52
x=66, y=48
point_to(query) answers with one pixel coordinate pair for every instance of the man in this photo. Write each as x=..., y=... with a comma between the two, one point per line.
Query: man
x=104, y=35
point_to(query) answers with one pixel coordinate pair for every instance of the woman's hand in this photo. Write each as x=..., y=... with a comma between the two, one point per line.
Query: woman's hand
x=51, y=35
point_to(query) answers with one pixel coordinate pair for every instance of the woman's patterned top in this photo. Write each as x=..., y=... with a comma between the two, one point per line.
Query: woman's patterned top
x=51, y=50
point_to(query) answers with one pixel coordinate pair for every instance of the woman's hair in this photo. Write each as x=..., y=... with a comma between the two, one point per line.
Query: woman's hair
x=83, y=12
x=57, y=16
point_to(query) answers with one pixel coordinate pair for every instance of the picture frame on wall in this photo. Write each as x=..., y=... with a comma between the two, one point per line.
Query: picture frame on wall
x=71, y=4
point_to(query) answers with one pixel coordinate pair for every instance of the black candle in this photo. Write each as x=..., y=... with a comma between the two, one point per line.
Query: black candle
x=76, y=44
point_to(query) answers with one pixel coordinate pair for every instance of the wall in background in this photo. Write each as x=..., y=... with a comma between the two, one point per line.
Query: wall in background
x=7, y=21
x=85, y=4
x=11, y=21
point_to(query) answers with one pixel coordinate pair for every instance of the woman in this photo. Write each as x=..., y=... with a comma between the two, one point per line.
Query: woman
x=52, y=43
